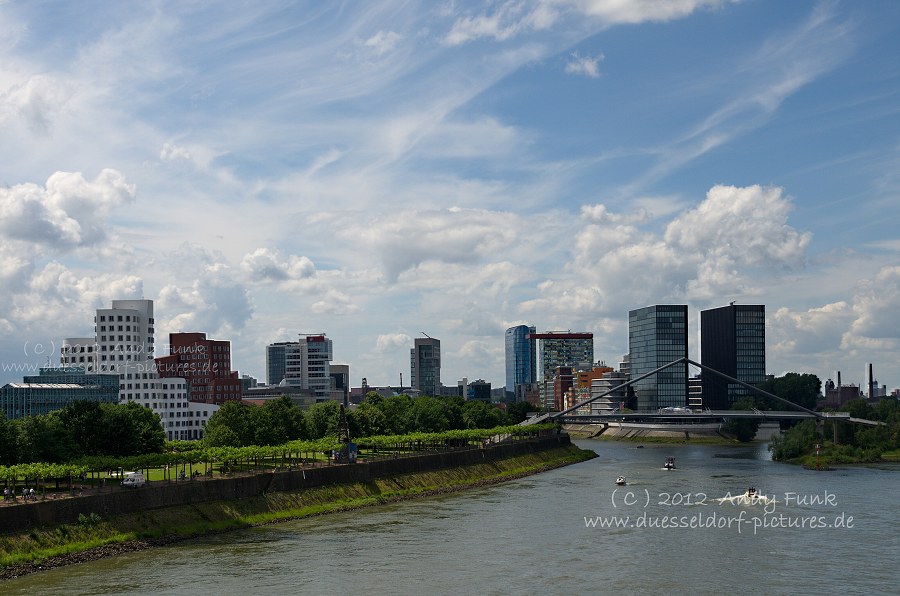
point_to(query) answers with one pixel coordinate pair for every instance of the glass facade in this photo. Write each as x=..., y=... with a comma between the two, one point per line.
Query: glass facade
x=733, y=342
x=561, y=348
x=425, y=366
x=521, y=358
x=55, y=388
x=657, y=335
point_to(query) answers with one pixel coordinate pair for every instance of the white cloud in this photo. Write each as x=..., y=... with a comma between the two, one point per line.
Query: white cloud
x=584, y=65
x=171, y=152
x=68, y=212
x=405, y=240
x=640, y=11
x=388, y=342
x=383, y=42
x=264, y=264
x=334, y=303
x=35, y=102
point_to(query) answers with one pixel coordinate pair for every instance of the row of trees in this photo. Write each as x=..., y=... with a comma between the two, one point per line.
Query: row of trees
x=81, y=429
x=279, y=421
x=90, y=429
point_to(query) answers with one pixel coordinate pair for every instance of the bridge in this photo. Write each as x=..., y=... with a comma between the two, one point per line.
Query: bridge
x=686, y=416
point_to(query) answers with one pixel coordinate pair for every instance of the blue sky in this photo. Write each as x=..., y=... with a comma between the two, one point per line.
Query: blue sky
x=375, y=170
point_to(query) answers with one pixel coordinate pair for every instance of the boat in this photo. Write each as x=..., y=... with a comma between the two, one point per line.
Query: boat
x=670, y=463
x=750, y=497
x=621, y=481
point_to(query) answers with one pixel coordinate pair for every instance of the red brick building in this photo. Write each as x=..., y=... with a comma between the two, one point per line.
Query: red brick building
x=205, y=364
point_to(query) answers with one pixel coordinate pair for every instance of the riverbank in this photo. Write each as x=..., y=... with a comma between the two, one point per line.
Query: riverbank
x=636, y=435
x=94, y=537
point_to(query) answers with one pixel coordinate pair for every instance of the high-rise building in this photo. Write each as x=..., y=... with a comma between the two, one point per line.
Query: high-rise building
x=561, y=348
x=123, y=345
x=658, y=335
x=124, y=335
x=205, y=364
x=521, y=361
x=425, y=366
x=340, y=377
x=733, y=342
x=305, y=364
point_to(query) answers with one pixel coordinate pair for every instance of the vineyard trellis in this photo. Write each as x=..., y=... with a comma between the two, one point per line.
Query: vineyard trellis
x=183, y=462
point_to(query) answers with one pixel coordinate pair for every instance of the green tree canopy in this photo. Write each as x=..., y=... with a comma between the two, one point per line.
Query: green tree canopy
x=801, y=389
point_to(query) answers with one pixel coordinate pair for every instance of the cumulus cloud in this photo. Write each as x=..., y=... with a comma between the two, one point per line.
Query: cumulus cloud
x=214, y=300
x=588, y=66
x=704, y=253
x=35, y=102
x=405, y=240
x=389, y=342
x=69, y=212
x=334, y=303
x=264, y=264
x=876, y=304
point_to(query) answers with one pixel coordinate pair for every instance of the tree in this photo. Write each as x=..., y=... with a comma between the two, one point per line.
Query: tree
x=42, y=439
x=429, y=415
x=744, y=429
x=801, y=389
x=8, y=455
x=478, y=414
x=367, y=420
x=518, y=411
x=84, y=421
x=396, y=411
x=322, y=419
x=236, y=417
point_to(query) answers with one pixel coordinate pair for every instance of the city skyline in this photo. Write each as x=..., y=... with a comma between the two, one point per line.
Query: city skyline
x=375, y=170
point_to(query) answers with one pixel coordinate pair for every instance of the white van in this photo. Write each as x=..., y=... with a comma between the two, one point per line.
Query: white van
x=133, y=479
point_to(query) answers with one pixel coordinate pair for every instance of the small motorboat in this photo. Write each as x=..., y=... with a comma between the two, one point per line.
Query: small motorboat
x=751, y=497
x=621, y=481
x=670, y=463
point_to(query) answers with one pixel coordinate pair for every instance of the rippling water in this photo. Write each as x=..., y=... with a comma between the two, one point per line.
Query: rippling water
x=531, y=536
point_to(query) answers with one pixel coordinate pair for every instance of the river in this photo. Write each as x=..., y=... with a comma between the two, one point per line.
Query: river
x=535, y=536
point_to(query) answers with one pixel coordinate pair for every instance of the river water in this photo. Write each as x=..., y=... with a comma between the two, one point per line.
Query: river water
x=542, y=534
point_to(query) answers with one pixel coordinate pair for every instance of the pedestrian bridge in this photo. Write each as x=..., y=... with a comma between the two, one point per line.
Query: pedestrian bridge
x=683, y=416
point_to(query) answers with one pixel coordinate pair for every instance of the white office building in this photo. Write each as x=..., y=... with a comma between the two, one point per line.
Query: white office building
x=124, y=345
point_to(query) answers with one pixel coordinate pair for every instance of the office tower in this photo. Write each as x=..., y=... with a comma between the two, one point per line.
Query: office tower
x=560, y=348
x=521, y=361
x=305, y=364
x=425, y=366
x=733, y=342
x=657, y=335
x=205, y=364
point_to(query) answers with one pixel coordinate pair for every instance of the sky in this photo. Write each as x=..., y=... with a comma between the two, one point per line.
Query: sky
x=378, y=171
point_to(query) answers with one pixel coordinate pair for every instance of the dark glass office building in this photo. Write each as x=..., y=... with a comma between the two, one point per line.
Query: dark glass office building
x=521, y=359
x=733, y=342
x=425, y=366
x=657, y=335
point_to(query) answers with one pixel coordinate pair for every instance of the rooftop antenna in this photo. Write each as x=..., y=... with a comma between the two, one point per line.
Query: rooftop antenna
x=426, y=335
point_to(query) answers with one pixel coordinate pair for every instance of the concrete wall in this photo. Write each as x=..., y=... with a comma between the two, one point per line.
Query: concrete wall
x=167, y=494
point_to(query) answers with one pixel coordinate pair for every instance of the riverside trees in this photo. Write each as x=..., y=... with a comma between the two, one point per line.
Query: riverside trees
x=81, y=429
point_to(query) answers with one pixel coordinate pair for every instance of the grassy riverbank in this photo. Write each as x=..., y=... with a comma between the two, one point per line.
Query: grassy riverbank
x=94, y=537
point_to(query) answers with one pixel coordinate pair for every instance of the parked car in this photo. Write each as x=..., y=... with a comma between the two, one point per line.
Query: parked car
x=134, y=480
